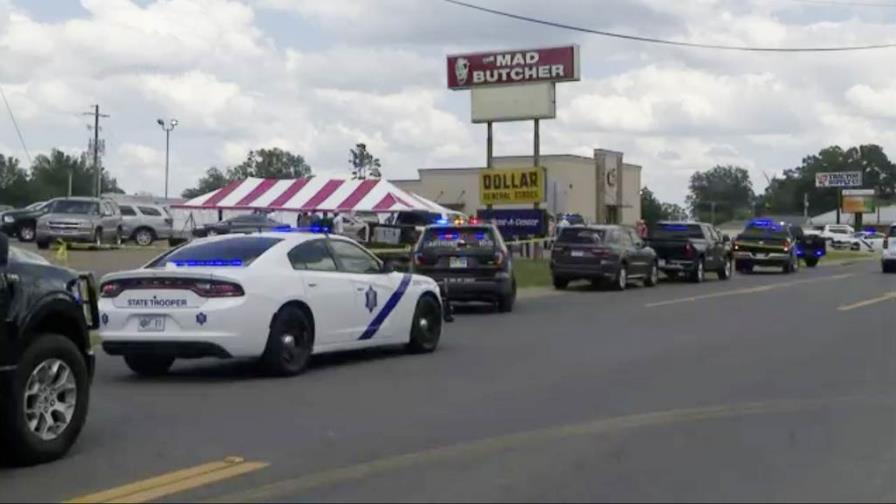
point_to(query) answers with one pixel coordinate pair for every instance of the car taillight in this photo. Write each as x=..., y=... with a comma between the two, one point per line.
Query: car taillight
x=736, y=246
x=786, y=245
x=110, y=289
x=213, y=288
x=689, y=250
x=499, y=258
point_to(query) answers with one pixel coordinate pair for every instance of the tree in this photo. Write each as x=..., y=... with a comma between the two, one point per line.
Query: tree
x=50, y=175
x=674, y=212
x=654, y=210
x=785, y=194
x=212, y=180
x=270, y=163
x=14, y=185
x=363, y=163
x=721, y=194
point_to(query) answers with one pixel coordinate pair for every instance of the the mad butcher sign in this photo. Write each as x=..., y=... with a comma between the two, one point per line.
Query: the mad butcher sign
x=551, y=64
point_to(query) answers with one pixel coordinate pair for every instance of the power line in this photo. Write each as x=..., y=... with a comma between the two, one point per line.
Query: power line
x=653, y=40
x=16, y=125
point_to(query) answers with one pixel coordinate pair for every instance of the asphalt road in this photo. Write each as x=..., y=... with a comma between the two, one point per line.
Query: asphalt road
x=758, y=388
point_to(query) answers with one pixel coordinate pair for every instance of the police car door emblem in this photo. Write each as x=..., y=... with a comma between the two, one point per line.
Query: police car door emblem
x=370, y=299
x=201, y=318
x=105, y=319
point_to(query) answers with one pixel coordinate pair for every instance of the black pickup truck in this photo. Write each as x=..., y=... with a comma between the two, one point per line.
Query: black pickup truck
x=691, y=249
x=776, y=244
x=46, y=362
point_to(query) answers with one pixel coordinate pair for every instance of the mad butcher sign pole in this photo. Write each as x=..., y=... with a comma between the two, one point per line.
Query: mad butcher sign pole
x=513, y=85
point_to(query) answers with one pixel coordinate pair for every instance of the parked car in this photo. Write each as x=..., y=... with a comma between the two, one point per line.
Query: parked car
x=602, y=254
x=888, y=254
x=691, y=249
x=80, y=219
x=809, y=247
x=144, y=223
x=838, y=235
x=472, y=262
x=240, y=224
x=46, y=362
x=22, y=223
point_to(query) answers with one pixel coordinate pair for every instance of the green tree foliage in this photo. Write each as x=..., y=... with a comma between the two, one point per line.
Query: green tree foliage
x=15, y=188
x=785, y=194
x=727, y=190
x=364, y=165
x=653, y=210
x=48, y=178
x=262, y=163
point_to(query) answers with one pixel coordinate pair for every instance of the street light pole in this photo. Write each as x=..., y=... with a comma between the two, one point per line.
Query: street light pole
x=167, y=127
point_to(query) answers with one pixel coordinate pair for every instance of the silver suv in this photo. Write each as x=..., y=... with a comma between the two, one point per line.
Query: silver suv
x=92, y=220
x=144, y=222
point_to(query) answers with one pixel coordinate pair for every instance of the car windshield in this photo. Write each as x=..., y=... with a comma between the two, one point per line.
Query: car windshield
x=441, y=239
x=235, y=251
x=75, y=207
x=582, y=235
x=676, y=231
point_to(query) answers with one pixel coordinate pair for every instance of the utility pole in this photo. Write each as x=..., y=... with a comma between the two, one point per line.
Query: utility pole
x=96, y=150
x=805, y=207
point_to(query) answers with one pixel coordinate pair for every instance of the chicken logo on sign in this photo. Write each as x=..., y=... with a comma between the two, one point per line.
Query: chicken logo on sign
x=461, y=70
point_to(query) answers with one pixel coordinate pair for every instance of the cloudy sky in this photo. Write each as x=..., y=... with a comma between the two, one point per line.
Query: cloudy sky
x=316, y=76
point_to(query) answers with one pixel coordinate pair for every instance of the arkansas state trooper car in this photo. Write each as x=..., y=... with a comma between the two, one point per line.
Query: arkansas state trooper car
x=279, y=296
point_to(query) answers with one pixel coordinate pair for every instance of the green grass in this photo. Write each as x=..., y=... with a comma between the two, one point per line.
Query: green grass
x=847, y=255
x=531, y=273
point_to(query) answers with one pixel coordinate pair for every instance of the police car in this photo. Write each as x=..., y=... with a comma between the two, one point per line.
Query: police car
x=277, y=296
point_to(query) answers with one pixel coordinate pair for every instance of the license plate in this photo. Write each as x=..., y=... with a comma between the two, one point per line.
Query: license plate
x=461, y=280
x=151, y=323
x=661, y=262
x=577, y=253
x=457, y=262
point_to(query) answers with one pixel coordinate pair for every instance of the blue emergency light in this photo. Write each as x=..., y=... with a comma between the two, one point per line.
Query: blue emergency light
x=309, y=229
x=206, y=263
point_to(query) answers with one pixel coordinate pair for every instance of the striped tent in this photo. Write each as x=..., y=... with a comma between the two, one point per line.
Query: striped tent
x=312, y=194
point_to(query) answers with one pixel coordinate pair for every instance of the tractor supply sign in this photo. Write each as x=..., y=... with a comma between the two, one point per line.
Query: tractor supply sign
x=517, y=185
x=838, y=179
x=513, y=67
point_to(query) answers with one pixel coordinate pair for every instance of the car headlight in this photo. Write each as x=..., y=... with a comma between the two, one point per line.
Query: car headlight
x=9, y=219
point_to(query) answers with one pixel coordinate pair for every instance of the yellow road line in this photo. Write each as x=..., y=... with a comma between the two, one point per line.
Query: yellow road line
x=293, y=487
x=174, y=482
x=748, y=290
x=879, y=299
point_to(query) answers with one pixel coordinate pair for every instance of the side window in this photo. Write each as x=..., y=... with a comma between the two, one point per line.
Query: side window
x=633, y=236
x=623, y=238
x=353, y=258
x=149, y=211
x=128, y=211
x=106, y=209
x=313, y=256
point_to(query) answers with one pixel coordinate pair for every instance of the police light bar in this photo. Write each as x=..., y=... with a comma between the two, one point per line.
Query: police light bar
x=200, y=263
x=309, y=229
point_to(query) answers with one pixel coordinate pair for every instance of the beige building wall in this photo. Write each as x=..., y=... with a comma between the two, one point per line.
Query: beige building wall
x=572, y=185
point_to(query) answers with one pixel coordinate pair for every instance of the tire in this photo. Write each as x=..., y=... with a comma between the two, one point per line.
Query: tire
x=43, y=244
x=425, y=335
x=653, y=277
x=887, y=267
x=791, y=267
x=118, y=237
x=505, y=304
x=699, y=273
x=98, y=237
x=855, y=247
x=725, y=271
x=621, y=280
x=26, y=233
x=144, y=237
x=560, y=283
x=149, y=364
x=27, y=445
x=290, y=342
x=811, y=262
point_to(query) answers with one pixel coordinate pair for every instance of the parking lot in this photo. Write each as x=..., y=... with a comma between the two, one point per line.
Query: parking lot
x=778, y=386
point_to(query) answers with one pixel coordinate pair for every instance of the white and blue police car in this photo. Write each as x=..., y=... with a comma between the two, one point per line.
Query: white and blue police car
x=276, y=296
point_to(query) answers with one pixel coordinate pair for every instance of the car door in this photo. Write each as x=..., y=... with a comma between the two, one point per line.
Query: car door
x=330, y=292
x=110, y=220
x=155, y=219
x=623, y=242
x=638, y=252
x=373, y=291
x=713, y=251
x=128, y=219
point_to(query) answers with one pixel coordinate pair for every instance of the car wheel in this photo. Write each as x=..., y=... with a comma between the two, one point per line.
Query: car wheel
x=725, y=270
x=426, y=327
x=699, y=273
x=149, y=364
x=211, y=232
x=289, y=343
x=811, y=262
x=43, y=244
x=653, y=276
x=143, y=237
x=47, y=407
x=98, y=237
x=854, y=246
x=621, y=280
x=560, y=283
x=505, y=304
x=26, y=233
x=118, y=237
x=887, y=267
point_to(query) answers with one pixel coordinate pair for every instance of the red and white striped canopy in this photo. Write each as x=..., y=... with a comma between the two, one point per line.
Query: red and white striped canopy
x=312, y=194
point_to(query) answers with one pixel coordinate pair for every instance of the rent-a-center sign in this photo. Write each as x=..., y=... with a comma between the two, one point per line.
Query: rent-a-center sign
x=551, y=64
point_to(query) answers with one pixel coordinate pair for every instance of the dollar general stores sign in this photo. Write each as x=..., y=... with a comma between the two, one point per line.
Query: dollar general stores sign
x=515, y=185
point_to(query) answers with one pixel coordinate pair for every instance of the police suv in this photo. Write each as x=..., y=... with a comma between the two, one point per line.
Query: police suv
x=277, y=296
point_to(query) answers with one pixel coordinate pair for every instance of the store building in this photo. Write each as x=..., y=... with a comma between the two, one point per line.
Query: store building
x=590, y=186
